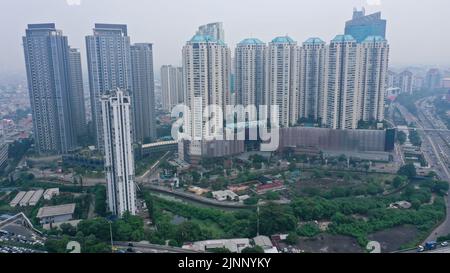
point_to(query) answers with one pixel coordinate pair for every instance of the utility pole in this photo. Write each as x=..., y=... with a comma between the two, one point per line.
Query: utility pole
x=110, y=232
x=257, y=219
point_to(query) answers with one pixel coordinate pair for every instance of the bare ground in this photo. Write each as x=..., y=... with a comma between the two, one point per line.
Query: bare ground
x=394, y=238
x=326, y=243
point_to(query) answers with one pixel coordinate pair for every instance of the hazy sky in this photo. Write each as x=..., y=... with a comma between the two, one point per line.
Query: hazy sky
x=418, y=30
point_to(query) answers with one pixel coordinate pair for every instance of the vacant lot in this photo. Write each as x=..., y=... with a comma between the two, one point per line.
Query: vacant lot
x=341, y=184
x=393, y=239
x=326, y=243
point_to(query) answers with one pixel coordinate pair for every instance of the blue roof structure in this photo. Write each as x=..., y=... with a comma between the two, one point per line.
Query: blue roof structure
x=372, y=39
x=314, y=40
x=251, y=41
x=198, y=38
x=343, y=38
x=283, y=40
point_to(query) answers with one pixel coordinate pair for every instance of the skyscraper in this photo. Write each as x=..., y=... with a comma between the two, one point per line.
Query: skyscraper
x=250, y=72
x=433, y=79
x=172, y=86
x=109, y=66
x=392, y=79
x=214, y=30
x=418, y=83
x=206, y=74
x=312, y=78
x=119, y=159
x=77, y=93
x=143, y=93
x=406, y=81
x=282, y=78
x=362, y=26
x=342, y=93
x=47, y=63
x=373, y=65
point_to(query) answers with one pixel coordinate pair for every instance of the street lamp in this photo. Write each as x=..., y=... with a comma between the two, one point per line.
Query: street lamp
x=110, y=221
x=110, y=232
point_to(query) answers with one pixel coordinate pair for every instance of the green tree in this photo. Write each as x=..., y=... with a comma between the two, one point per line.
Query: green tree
x=440, y=187
x=408, y=170
x=188, y=232
x=276, y=218
x=308, y=230
x=292, y=238
x=97, y=226
x=414, y=137
x=401, y=137
x=272, y=195
x=100, y=200
x=195, y=176
x=398, y=182
x=68, y=229
x=255, y=249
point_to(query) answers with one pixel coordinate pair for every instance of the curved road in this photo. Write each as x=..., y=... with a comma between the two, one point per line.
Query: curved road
x=195, y=198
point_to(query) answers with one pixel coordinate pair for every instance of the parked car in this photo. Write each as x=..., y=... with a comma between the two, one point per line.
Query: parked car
x=420, y=249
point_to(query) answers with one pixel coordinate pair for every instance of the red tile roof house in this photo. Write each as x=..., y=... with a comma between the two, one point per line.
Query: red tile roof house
x=275, y=186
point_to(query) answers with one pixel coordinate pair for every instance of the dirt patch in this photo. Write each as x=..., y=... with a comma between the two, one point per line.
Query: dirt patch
x=326, y=243
x=394, y=238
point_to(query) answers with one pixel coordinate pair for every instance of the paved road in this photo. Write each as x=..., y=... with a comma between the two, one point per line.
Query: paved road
x=196, y=198
x=436, y=149
x=151, y=248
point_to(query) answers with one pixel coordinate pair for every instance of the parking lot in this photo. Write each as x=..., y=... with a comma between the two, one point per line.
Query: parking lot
x=16, y=249
x=17, y=239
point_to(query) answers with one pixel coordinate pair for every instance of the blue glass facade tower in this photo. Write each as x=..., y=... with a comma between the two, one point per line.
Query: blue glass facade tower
x=362, y=26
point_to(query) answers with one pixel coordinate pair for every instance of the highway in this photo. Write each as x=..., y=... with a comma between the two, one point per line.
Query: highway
x=436, y=147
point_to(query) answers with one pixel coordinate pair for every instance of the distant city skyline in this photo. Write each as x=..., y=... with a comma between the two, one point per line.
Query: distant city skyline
x=300, y=20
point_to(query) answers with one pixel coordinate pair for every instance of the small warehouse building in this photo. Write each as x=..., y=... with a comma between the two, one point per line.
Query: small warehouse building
x=56, y=214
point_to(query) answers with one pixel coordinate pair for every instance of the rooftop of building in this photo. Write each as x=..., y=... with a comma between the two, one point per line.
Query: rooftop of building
x=373, y=39
x=314, y=40
x=343, y=38
x=42, y=26
x=199, y=38
x=121, y=27
x=263, y=241
x=251, y=41
x=283, y=40
x=56, y=210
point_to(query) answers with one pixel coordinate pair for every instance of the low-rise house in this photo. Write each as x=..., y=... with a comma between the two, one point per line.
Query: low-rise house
x=274, y=186
x=225, y=195
x=197, y=190
x=17, y=199
x=265, y=243
x=233, y=245
x=50, y=193
x=36, y=197
x=242, y=198
x=26, y=199
x=73, y=223
x=238, y=188
x=56, y=214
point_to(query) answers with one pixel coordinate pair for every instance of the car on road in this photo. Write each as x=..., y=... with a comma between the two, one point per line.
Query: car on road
x=444, y=244
x=420, y=249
